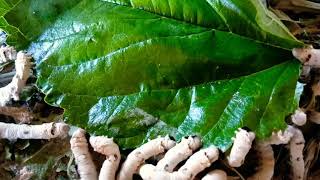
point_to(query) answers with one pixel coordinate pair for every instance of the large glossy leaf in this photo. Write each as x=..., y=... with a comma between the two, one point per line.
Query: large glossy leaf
x=137, y=69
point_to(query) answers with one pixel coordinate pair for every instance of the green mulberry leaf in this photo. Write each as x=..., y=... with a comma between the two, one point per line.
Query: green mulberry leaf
x=137, y=69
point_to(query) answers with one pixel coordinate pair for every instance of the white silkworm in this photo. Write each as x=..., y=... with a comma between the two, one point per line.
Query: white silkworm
x=7, y=53
x=13, y=89
x=308, y=56
x=150, y=172
x=216, y=174
x=279, y=137
x=296, y=147
x=241, y=146
x=79, y=148
x=144, y=152
x=179, y=153
x=199, y=161
x=24, y=131
x=107, y=147
x=195, y=164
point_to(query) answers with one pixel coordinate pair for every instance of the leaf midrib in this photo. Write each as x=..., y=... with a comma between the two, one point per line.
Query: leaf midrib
x=168, y=89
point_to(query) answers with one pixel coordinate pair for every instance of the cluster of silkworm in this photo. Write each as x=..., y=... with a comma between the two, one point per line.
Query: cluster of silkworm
x=135, y=161
x=196, y=160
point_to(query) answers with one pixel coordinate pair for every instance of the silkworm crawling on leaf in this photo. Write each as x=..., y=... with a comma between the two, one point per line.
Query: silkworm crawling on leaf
x=195, y=164
x=296, y=147
x=79, y=148
x=280, y=137
x=299, y=117
x=179, y=153
x=199, y=161
x=215, y=175
x=107, y=147
x=24, y=131
x=308, y=56
x=13, y=89
x=144, y=152
x=7, y=53
x=241, y=146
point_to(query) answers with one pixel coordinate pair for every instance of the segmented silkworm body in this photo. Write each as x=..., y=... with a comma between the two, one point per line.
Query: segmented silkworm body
x=13, y=89
x=107, y=147
x=296, y=153
x=241, y=146
x=24, y=131
x=7, y=53
x=280, y=137
x=150, y=172
x=195, y=164
x=179, y=153
x=199, y=161
x=308, y=56
x=79, y=148
x=144, y=152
